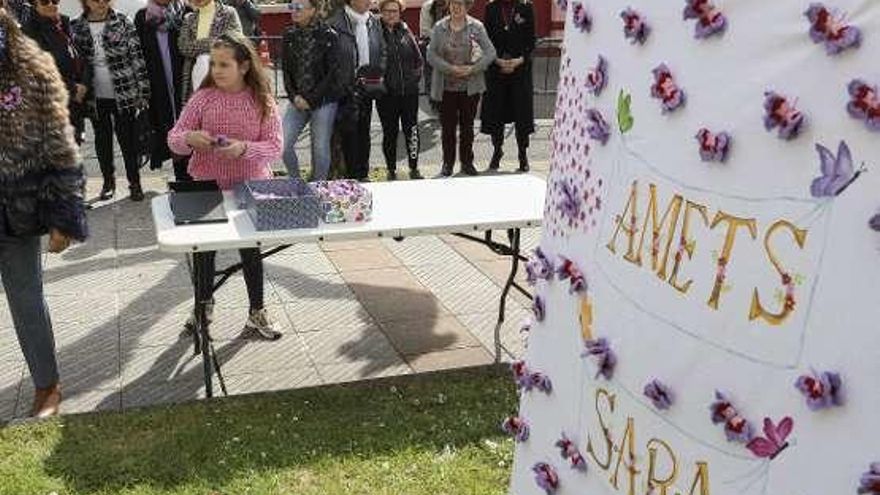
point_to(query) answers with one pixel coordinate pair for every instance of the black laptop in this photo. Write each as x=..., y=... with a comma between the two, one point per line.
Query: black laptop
x=195, y=202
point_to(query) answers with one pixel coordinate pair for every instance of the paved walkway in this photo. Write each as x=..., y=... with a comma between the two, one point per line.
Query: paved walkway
x=350, y=311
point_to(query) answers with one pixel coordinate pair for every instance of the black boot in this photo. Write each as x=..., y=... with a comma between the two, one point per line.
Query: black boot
x=468, y=169
x=108, y=189
x=498, y=143
x=414, y=173
x=136, y=192
x=522, y=143
x=391, y=174
x=446, y=170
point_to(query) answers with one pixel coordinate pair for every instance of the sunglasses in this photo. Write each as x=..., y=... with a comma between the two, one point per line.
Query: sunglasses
x=390, y=11
x=47, y=2
x=297, y=7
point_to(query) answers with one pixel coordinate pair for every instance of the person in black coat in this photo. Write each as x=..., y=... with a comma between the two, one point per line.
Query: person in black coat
x=158, y=27
x=400, y=104
x=51, y=31
x=509, y=98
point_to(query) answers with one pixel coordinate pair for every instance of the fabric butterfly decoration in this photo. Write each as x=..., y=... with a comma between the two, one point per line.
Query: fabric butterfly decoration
x=827, y=27
x=569, y=204
x=606, y=360
x=635, y=28
x=597, y=78
x=568, y=270
x=774, y=440
x=710, y=20
x=568, y=450
x=546, y=477
x=822, y=390
x=516, y=427
x=538, y=267
x=661, y=395
x=597, y=126
x=837, y=171
x=736, y=427
x=864, y=103
x=713, y=147
x=11, y=98
x=581, y=17
x=869, y=483
x=780, y=113
x=538, y=308
x=527, y=380
x=666, y=90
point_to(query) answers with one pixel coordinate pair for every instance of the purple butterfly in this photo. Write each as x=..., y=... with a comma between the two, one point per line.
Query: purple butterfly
x=538, y=267
x=597, y=77
x=837, y=171
x=569, y=205
x=10, y=99
x=660, y=394
x=546, y=477
x=774, y=440
x=538, y=308
x=713, y=147
x=606, y=360
x=822, y=390
x=568, y=270
x=666, y=90
x=864, y=103
x=710, y=20
x=540, y=381
x=874, y=223
x=520, y=373
x=827, y=27
x=516, y=427
x=778, y=112
x=736, y=427
x=635, y=29
x=598, y=127
x=582, y=19
x=869, y=483
x=568, y=450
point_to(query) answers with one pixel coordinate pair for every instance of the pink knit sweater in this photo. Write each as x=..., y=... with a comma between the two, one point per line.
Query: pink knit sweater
x=236, y=116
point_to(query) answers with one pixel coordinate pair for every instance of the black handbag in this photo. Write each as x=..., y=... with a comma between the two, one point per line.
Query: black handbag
x=371, y=81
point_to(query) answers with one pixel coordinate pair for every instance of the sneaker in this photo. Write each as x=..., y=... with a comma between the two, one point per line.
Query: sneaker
x=446, y=171
x=414, y=174
x=137, y=194
x=190, y=324
x=468, y=169
x=258, y=322
x=391, y=175
x=107, y=190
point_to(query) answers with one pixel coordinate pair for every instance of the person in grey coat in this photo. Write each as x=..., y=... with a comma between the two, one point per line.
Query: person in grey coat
x=248, y=15
x=460, y=51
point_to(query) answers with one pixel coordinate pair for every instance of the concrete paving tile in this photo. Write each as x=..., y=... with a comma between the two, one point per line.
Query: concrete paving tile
x=233, y=294
x=499, y=270
x=169, y=392
x=394, y=304
x=9, y=349
x=272, y=381
x=154, y=275
x=154, y=301
x=90, y=366
x=365, y=282
x=70, y=334
x=161, y=364
x=422, y=335
x=482, y=326
x=362, y=370
x=74, y=400
x=312, y=315
x=349, y=344
x=258, y=356
x=449, y=359
x=86, y=307
x=422, y=250
x=97, y=276
x=350, y=245
x=131, y=238
x=473, y=251
x=328, y=286
x=461, y=288
x=9, y=401
x=301, y=264
x=363, y=259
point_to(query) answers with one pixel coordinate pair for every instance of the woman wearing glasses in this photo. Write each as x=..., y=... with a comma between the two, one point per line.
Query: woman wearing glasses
x=460, y=51
x=118, y=88
x=309, y=55
x=210, y=20
x=400, y=104
x=51, y=30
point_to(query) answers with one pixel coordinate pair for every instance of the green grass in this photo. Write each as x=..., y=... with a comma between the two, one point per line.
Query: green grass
x=429, y=434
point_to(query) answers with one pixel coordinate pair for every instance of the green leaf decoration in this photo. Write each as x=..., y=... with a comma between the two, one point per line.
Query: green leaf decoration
x=625, y=119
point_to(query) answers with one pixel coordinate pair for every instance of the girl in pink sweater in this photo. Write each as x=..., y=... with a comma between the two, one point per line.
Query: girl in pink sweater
x=232, y=129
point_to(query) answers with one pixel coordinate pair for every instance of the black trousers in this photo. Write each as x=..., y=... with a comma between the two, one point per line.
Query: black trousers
x=355, y=134
x=251, y=268
x=396, y=111
x=458, y=110
x=108, y=120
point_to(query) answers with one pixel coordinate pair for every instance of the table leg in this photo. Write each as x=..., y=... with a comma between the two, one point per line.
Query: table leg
x=514, y=236
x=203, y=286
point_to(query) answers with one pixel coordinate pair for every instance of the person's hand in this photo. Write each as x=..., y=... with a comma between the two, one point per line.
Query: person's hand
x=301, y=104
x=58, y=242
x=199, y=140
x=79, y=92
x=461, y=71
x=234, y=149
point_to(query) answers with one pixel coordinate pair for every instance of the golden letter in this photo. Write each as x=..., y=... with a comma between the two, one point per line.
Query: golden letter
x=757, y=310
x=702, y=477
x=672, y=210
x=630, y=228
x=627, y=443
x=733, y=223
x=606, y=433
x=688, y=246
x=656, y=483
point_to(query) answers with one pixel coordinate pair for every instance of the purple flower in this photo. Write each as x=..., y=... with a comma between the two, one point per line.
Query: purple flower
x=829, y=28
x=660, y=394
x=569, y=203
x=582, y=19
x=635, y=29
x=538, y=308
x=822, y=390
x=568, y=270
x=713, y=147
x=538, y=267
x=710, y=20
x=869, y=483
x=541, y=382
x=779, y=112
x=875, y=222
x=606, y=360
x=546, y=477
x=597, y=127
x=597, y=77
x=516, y=427
x=666, y=90
x=11, y=98
x=520, y=374
x=568, y=450
x=736, y=428
x=864, y=103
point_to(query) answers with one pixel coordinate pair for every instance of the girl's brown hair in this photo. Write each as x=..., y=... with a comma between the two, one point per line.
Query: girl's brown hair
x=255, y=78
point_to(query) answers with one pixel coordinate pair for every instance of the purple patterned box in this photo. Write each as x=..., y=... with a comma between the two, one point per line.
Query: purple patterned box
x=344, y=200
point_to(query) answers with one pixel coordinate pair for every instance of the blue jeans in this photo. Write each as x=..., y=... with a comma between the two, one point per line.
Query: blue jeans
x=22, y=274
x=321, y=125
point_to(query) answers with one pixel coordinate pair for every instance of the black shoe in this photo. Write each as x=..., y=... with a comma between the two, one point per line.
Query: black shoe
x=468, y=169
x=414, y=174
x=107, y=190
x=523, y=162
x=391, y=175
x=137, y=194
x=364, y=179
x=446, y=171
x=495, y=162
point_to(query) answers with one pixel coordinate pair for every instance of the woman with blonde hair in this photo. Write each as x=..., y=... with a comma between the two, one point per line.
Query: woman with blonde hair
x=231, y=128
x=41, y=190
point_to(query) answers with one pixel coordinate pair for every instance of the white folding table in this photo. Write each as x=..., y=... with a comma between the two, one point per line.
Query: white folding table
x=459, y=206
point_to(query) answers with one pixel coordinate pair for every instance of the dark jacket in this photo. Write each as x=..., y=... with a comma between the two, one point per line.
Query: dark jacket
x=60, y=45
x=248, y=15
x=225, y=20
x=124, y=59
x=164, y=107
x=348, y=52
x=404, y=63
x=509, y=97
x=314, y=48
